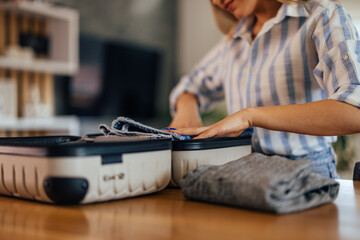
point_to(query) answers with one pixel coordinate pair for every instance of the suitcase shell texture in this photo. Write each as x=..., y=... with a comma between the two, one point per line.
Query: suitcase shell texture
x=69, y=170
x=190, y=154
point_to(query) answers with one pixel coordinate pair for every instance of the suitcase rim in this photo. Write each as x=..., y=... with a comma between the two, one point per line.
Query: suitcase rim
x=210, y=143
x=17, y=146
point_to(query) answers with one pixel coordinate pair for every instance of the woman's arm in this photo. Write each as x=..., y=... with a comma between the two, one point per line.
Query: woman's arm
x=187, y=112
x=200, y=89
x=321, y=118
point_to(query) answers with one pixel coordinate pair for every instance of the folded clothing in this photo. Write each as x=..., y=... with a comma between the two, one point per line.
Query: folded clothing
x=266, y=183
x=123, y=126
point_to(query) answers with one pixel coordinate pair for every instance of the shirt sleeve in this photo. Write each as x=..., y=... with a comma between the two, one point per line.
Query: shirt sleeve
x=204, y=81
x=338, y=48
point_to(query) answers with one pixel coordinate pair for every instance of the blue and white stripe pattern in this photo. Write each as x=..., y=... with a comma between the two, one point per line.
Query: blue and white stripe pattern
x=308, y=52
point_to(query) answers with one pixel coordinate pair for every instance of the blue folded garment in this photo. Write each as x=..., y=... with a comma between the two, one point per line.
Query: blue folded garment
x=247, y=132
x=124, y=126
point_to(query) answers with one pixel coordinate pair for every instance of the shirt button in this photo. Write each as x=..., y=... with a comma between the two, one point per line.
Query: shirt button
x=345, y=57
x=256, y=140
x=252, y=69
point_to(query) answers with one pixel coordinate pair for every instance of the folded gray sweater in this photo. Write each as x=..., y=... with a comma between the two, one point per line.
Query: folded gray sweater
x=272, y=184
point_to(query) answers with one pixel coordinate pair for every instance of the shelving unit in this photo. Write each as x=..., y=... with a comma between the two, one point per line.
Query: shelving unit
x=40, y=9
x=29, y=74
x=64, y=35
x=50, y=66
x=62, y=124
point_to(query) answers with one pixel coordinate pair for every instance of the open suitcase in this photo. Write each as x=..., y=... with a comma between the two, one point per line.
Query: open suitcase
x=188, y=155
x=79, y=170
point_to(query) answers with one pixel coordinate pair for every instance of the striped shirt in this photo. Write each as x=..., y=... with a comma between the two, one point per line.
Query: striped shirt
x=305, y=53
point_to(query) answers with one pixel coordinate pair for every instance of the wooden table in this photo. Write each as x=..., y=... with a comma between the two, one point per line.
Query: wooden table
x=167, y=215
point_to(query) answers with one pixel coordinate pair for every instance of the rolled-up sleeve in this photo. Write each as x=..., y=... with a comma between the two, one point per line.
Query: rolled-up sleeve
x=338, y=48
x=204, y=81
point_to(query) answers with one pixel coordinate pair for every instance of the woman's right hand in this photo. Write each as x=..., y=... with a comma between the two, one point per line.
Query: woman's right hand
x=187, y=112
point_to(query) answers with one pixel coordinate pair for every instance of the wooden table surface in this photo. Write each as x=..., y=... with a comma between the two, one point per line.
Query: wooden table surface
x=167, y=215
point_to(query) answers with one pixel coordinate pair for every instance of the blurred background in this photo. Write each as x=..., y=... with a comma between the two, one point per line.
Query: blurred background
x=68, y=65
x=132, y=56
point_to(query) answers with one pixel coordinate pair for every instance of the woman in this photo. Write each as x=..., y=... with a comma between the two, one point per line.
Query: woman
x=290, y=69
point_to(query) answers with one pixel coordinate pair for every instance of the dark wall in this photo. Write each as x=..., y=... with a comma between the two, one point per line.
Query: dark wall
x=148, y=23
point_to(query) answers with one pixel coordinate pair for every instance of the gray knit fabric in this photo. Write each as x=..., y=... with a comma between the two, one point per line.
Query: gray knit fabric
x=124, y=126
x=272, y=184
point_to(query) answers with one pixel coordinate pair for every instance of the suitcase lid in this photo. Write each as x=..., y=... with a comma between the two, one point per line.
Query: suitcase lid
x=61, y=146
x=210, y=143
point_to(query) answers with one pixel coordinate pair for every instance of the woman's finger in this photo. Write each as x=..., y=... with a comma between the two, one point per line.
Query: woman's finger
x=209, y=133
x=189, y=131
x=234, y=134
x=218, y=131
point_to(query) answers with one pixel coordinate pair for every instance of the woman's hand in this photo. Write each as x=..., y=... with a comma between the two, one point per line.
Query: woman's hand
x=231, y=126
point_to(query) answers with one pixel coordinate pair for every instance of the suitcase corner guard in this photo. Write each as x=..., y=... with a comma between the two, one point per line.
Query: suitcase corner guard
x=63, y=190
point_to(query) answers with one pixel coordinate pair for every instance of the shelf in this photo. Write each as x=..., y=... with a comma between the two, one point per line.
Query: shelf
x=63, y=31
x=60, y=123
x=36, y=65
x=40, y=9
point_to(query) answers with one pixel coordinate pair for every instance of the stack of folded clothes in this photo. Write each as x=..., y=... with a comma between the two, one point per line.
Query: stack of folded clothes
x=265, y=183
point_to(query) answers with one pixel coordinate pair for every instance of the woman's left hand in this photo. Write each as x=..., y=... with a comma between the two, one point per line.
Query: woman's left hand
x=231, y=126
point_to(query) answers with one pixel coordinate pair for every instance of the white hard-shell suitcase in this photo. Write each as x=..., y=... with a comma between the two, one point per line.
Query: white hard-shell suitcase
x=188, y=155
x=77, y=170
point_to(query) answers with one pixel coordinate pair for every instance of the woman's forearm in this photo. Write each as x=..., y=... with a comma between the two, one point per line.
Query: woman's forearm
x=187, y=102
x=322, y=118
x=187, y=112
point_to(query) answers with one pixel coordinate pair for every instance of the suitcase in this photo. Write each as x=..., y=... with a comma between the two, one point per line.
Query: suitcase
x=80, y=170
x=188, y=155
